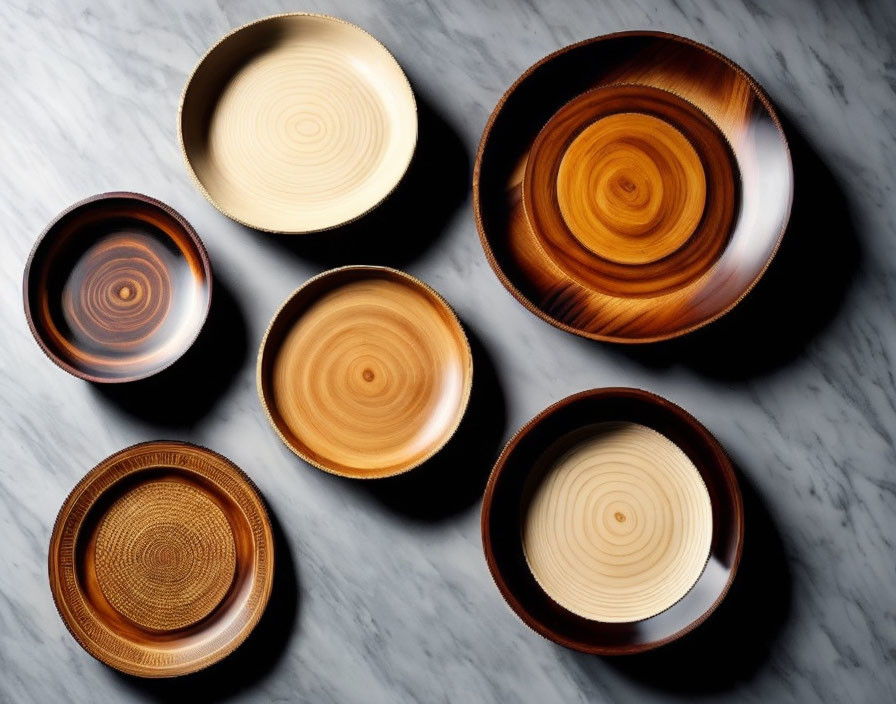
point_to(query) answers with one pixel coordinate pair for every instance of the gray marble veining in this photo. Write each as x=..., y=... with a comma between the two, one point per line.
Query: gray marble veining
x=386, y=597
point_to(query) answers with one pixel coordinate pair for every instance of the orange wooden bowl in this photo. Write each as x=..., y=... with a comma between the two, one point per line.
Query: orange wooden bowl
x=117, y=288
x=632, y=187
x=161, y=560
x=598, y=546
x=365, y=372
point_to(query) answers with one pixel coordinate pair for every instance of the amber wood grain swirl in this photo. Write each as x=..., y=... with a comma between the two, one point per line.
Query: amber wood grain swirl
x=631, y=191
x=696, y=75
x=566, y=513
x=297, y=123
x=161, y=559
x=617, y=522
x=365, y=372
x=117, y=287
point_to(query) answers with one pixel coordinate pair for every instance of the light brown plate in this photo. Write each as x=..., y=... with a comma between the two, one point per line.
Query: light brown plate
x=297, y=123
x=117, y=288
x=365, y=372
x=658, y=182
x=612, y=522
x=161, y=560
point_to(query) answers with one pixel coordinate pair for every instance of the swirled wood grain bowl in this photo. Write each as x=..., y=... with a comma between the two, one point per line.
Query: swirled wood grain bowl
x=117, y=288
x=612, y=523
x=365, y=372
x=632, y=187
x=161, y=559
x=297, y=123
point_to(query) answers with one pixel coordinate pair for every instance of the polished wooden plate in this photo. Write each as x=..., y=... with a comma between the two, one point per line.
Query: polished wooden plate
x=612, y=523
x=161, y=560
x=365, y=372
x=117, y=287
x=632, y=187
x=297, y=123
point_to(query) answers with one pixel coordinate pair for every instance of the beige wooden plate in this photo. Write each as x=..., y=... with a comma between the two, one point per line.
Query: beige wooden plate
x=365, y=372
x=618, y=522
x=297, y=123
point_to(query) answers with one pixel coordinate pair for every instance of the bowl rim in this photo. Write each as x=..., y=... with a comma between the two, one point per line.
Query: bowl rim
x=725, y=467
x=48, y=232
x=759, y=93
x=224, y=211
x=264, y=517
x=261, y=385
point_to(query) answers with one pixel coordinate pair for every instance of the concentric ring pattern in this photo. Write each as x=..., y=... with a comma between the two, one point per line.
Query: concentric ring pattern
x=618, y=525
x=165, y=555
x=298, y=123
x=365, y=372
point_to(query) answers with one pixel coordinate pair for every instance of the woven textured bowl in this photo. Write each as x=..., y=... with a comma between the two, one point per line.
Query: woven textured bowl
x=297, y=123
x=612, y=522
x=632, y=187
x=365, y=372
x=161, y=560
x=117, y=288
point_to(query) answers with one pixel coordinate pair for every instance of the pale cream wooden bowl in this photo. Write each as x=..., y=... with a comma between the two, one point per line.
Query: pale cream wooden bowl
x=297, y=123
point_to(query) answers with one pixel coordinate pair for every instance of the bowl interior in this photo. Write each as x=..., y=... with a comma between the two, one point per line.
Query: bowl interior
x=117, y=288
x=298, y=123
x=506, y=499
x=365, y=372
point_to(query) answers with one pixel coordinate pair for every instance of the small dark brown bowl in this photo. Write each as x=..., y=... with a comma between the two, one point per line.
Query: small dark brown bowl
x=502, y=517
x=117, y=288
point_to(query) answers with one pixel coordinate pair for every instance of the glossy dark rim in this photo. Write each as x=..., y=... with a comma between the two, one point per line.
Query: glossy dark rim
x=503, y=548
x=760, y=94
x=105, y=465
x=49, y=231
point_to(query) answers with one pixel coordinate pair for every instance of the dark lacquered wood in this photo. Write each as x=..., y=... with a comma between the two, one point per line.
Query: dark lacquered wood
x=117, y=287
x=161, y=559
x=504, y=500
x=705, y=283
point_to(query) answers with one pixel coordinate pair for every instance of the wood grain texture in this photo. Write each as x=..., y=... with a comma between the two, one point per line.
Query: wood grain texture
x=515, y=506
x=161, y=559
x=297, y=123
x=617, y=522
x=632, y=294
x=117, y=287
x=365, y=372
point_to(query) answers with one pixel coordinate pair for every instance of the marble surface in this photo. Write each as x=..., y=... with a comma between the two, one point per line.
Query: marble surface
x=382, y=593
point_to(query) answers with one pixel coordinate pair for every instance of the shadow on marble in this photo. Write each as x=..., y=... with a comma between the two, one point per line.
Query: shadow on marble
x=455, y=478
x=738, y=638
x=797, y=298
x=252, y=661
x=180, y=396
x=412, y=217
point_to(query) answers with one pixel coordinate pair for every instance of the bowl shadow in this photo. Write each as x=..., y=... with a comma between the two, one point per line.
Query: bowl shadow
x=181, y=395
x=409, y=220
x=255, y=658
x=798, y=296
x=455, y=477
x=732, y=645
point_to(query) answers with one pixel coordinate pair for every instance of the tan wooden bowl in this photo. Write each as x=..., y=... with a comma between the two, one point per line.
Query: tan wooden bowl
x=632, y=187
x=612, y=523
x=297, y=123
x=161, y=560
x=365, y=372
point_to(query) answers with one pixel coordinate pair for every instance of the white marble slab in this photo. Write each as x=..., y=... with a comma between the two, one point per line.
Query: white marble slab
x=384, y=596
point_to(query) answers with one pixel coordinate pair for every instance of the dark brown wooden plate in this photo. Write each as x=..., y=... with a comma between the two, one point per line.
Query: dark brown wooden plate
x=632, y=187
x=117, y=288
x=162, y=559
x=622, y=513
